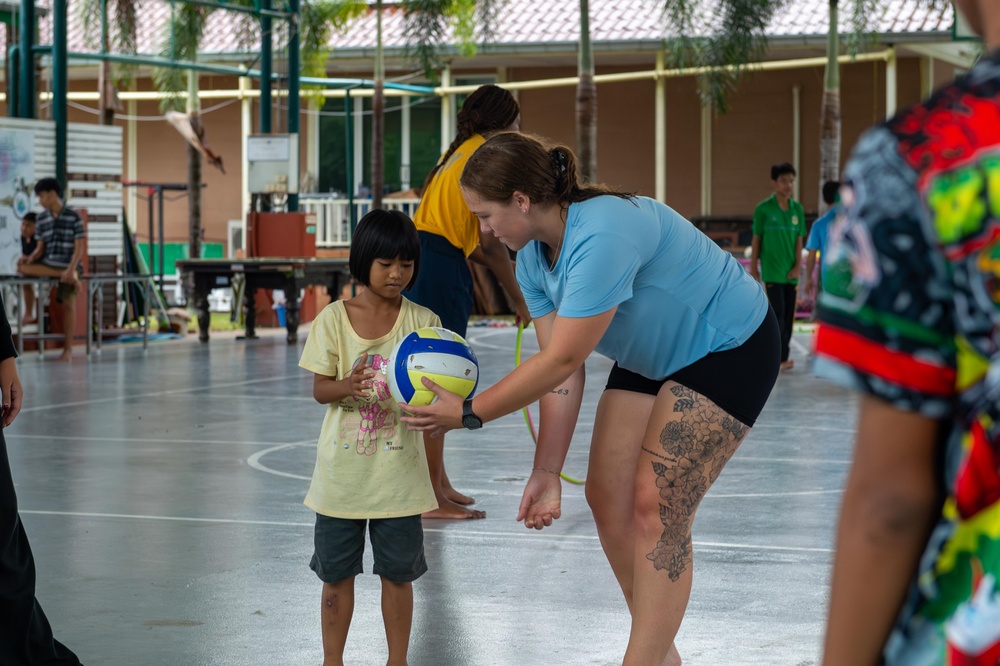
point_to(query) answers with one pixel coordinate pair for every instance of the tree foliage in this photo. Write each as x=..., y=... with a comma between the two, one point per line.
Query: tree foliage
x=432, y=24
x=723, y=36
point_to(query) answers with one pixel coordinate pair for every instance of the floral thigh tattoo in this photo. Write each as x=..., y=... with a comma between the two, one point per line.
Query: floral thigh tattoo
x=695, y=448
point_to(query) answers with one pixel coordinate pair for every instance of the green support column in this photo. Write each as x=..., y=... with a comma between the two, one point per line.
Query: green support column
x=60, y=83
x=13, y=78
x=349, y=157
x=26, y=92
x=266, y=68
x=293, y=86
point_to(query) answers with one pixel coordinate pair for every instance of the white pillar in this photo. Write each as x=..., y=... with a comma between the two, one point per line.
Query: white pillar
x=926, y=77
x=890, y=83
x=447, y=102
x=661, y=129
x=312, y=147
x=797, y=136
x=359, y=148
x=132, y=163
x=404, y=157
x=706, y=160
x=246, y=129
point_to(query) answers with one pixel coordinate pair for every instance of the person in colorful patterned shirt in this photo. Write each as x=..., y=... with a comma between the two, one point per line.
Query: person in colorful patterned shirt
x=910, y=315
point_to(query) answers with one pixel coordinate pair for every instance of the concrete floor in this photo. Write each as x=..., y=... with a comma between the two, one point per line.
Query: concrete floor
x=162, y=493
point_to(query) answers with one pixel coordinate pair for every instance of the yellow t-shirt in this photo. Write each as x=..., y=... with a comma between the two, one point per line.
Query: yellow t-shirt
x=442, y=209
x=368, y=465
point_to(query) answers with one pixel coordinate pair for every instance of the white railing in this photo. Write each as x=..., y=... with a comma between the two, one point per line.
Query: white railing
x=333, y=221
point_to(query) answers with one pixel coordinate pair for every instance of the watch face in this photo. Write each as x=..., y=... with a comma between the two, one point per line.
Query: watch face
x=471, y=422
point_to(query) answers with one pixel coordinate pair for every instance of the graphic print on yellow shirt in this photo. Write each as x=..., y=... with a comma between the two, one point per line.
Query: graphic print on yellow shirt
x=367, y=464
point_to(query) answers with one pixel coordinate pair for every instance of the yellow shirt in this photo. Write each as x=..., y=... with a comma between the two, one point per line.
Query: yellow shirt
x=368, y=465
x=442, y=209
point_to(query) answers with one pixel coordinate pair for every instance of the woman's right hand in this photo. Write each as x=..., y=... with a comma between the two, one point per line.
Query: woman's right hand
x=542, y=500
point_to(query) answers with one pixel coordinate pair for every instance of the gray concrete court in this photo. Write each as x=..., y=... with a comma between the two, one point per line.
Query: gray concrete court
x=162, y=493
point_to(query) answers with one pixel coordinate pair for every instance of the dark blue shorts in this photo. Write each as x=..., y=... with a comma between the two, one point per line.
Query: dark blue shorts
x=444, y=283
x=397, y=544
x=738, y=380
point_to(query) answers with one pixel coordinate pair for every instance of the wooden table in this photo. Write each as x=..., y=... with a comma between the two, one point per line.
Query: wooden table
x=201, y=276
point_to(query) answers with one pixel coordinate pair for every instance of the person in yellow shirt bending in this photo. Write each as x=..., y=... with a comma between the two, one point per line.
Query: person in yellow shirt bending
x=449, y=235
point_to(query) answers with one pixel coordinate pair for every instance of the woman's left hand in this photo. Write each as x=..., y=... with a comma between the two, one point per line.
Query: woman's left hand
x=439, y=417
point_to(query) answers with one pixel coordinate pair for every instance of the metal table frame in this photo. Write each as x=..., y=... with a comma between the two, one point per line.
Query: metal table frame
x=93, y=282
x=290, y=274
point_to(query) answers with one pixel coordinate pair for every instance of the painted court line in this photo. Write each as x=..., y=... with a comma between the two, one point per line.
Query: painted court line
x=156, y=394
x=533, y=534
x=161, y=440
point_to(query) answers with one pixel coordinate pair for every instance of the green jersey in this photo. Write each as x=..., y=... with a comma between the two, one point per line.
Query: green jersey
x=778, y=230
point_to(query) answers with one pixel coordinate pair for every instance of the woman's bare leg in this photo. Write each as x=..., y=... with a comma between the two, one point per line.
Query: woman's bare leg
x=619, y=427
x=688, y=442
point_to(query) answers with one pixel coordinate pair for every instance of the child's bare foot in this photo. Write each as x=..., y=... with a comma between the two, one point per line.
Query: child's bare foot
x=29, y=319
x=787, y=365
x=66, y=357
x=450, y=511
x=457, y=497
x=673, y=657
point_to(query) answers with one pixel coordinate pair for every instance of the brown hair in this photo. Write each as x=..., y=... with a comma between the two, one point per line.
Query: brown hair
x=489, y=108
x=546, y=172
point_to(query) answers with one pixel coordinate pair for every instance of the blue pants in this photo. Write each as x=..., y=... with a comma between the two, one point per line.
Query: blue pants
x=444, y=283
x=782, y=298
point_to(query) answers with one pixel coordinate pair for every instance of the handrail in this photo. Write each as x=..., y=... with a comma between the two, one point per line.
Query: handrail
x=333, y=219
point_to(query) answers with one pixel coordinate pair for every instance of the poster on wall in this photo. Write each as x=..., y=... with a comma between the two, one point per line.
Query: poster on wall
x=17, y=178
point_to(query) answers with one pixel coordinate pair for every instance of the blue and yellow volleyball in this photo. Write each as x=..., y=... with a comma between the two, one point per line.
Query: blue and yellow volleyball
x=442, y=356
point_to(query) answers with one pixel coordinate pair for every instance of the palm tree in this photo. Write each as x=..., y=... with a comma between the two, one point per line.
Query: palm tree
x=829, y=137
x=738, y=37
x=586, y=100
x=182, y=37
x=186, y=27
x=122, y=38
x=427, y=30
x=378, y=116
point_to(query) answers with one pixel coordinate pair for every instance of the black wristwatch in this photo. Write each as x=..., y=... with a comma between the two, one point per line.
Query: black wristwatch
x=469, y=419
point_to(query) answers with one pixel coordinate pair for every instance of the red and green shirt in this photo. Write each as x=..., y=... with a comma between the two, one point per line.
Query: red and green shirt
x=910, y=313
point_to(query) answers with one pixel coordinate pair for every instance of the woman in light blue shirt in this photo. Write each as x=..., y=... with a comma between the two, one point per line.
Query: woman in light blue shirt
x=696, y=347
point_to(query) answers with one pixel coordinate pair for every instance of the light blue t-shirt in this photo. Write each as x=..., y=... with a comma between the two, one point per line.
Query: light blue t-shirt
x=679, y=295
x=818, y=236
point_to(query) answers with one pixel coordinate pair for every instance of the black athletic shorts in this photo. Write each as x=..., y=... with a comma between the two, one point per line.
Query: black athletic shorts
x=738, y=380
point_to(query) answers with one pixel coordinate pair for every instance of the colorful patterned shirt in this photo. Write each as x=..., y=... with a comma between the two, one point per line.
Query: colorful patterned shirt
x=910, y=314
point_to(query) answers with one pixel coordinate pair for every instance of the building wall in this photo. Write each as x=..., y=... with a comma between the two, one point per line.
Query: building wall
x=755, y=133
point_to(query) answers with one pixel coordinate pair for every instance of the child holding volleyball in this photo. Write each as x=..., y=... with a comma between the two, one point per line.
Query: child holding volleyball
x=370, y=471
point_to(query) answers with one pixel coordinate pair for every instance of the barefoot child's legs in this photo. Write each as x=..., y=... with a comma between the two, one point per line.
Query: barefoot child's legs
x=339, y=546
x=447, y=508
x=397, y=615
x=29, y=303
x=398, y=551
x=335, y=617
x=66, y=294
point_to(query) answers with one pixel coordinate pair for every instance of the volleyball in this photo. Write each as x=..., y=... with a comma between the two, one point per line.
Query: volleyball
x=442, y=356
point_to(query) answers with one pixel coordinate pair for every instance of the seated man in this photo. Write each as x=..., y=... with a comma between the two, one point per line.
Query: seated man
x=60, y=249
